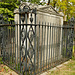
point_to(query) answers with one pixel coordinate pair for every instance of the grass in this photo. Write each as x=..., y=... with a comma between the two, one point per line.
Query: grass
x=66, y=69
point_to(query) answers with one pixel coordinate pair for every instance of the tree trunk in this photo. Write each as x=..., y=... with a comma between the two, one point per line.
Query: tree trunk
x=48, y=2
x=54, y=5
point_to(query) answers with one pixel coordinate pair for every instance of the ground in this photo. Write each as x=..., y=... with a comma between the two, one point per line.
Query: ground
x=4, y=70
x=65, y=69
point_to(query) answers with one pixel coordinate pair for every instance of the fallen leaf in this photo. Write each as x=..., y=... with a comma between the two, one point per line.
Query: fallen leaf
x=2, y=69
x=21, y=59
x=10, y=73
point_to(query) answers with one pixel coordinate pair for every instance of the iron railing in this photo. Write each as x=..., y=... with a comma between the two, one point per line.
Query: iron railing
x=37, y=48
x=31, y=48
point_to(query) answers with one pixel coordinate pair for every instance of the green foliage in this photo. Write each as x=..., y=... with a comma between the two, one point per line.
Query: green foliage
x=65, y=6
x=9, y=1
x=73, y=58
x=33, y=1
x=8, y=9
x=1, y=62
x=6, y=69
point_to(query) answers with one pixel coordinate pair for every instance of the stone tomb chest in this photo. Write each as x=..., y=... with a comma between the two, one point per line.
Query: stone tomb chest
x=45, y=51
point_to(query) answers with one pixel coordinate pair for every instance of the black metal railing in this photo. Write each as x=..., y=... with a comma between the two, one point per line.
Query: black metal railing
x=40, y=47
x=31, y=48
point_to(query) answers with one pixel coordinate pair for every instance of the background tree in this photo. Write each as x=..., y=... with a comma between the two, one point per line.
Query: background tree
x=7, y=9
x=65, y=6
x=48, y=2
x=32, y=1
x=8, y=1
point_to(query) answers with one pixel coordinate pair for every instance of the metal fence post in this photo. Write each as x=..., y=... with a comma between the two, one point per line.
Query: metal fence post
x=1, y=18
x=72, y=35
x=19, y=36
x=2, y=36
x=35, y=45
x=61, y=41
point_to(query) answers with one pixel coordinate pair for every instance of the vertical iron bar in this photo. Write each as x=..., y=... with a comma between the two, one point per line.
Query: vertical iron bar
x=35, y=52
x=26, y=44
x=35, y=45
x=15, y=46
x=50, y=46
x=5, y=45
x=19, y=36
x=8, y=48
x=62, y=42
x=66, y=41
x=57, y=44
x=39, y=48
x=11, y=44
x=54, y=46
x=44, y=47
x=47, y=45
x=61, y=39
x=45, y=42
